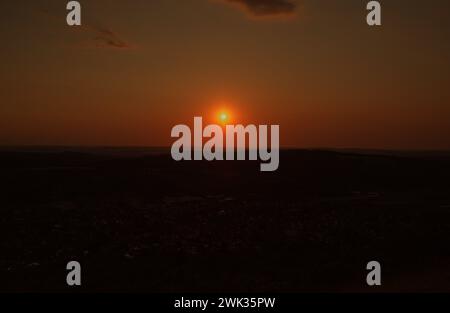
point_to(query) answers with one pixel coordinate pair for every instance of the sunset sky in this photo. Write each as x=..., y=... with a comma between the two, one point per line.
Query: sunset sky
x=138, y=67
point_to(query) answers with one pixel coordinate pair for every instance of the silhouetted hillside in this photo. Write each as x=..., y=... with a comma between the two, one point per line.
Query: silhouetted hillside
x=140, y=222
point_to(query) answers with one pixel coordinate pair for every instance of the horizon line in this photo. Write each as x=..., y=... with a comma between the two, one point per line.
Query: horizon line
x=82, y=146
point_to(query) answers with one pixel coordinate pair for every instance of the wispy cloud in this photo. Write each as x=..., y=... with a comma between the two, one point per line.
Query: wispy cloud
x=96, y=35
x=107, y=38
x=266, y=8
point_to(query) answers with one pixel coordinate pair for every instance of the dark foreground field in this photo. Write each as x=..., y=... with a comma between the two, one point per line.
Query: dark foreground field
x=149, y=224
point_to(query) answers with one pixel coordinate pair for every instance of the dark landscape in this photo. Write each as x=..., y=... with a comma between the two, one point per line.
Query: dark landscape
x=139, y=222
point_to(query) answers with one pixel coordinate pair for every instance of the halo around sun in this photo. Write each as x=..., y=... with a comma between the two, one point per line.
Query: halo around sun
x=224, y=114
x=223, y=117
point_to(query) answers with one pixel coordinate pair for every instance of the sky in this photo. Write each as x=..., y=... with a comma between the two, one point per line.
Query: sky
x=136, y=68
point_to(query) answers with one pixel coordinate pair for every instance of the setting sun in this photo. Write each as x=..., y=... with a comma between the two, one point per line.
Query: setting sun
x=223, y=117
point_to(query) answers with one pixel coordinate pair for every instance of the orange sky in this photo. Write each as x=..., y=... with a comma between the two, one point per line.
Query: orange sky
x=136, y=68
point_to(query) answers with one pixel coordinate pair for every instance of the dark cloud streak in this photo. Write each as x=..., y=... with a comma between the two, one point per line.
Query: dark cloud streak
x=108, y=38
x=99, y=36
x=266, y=8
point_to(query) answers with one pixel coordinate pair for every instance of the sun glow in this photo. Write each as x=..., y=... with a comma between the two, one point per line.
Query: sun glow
x=225, y=113
x=223, y=117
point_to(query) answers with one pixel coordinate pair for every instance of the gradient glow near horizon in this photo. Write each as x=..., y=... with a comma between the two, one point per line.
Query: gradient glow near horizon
x=137, y=68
